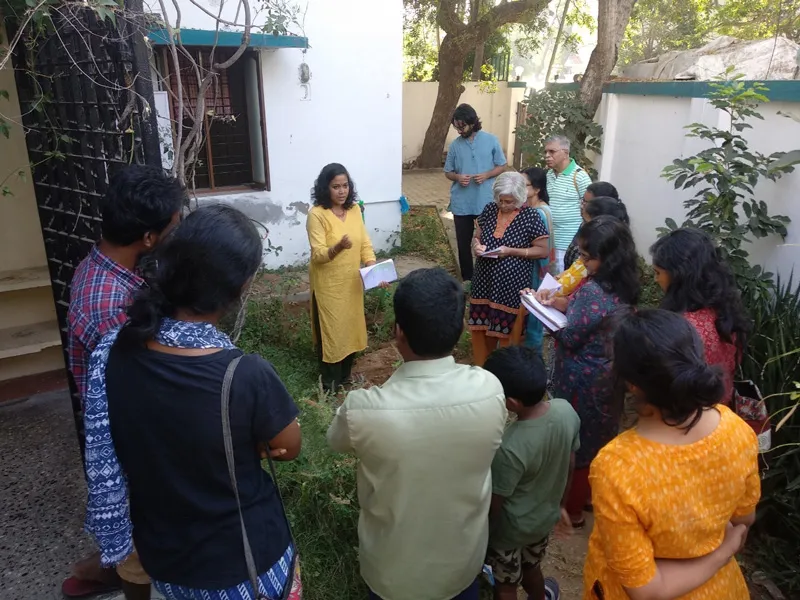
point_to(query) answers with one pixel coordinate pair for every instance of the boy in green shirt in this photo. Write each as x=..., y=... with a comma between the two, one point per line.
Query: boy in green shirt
x=530, y=475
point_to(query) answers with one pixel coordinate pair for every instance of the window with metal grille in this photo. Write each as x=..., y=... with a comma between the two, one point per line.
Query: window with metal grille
x=233, y=146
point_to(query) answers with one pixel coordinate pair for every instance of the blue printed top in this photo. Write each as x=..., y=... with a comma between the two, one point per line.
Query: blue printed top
x=470, y=157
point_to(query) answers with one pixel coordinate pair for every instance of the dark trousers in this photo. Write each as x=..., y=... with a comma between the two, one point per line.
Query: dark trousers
x=471, y=593
x=465, y=229
x=334, y=375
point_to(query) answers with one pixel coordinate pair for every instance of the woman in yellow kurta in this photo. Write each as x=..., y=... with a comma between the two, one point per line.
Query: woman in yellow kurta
x=339, y=246
x=673, y=497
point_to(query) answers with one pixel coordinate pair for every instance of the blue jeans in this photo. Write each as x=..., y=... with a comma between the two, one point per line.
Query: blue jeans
x=471, y=593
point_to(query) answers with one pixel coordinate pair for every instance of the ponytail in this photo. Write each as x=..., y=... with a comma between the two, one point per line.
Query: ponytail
x=144, y=316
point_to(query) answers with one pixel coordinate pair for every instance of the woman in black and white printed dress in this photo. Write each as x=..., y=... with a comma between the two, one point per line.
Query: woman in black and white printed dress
x=517, y=235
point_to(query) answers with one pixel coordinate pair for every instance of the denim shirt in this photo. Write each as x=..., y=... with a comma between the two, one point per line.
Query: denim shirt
x=471, y=157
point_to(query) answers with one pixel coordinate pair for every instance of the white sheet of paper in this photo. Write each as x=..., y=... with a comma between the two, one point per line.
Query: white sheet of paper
x=549, y=283
x=549, y=316
x=382, y=272
x=490, y=253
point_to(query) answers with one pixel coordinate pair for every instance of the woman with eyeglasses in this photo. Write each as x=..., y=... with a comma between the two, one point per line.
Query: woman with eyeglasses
x=509, y=236
x=582, y=370
x=596, y=206
x=598, y=189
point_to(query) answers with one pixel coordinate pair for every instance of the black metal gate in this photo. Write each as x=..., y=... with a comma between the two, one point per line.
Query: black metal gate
x=86, y=95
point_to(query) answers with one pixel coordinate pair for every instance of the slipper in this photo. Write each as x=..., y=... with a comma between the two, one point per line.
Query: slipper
x=80, y=588
x=551, y=589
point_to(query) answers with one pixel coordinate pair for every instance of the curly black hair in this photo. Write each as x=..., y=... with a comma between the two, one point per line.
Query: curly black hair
x=466, y=114
x=659, y=352
x=700, y=278
x=321, y=193
x=607, y=205
x=609, y=240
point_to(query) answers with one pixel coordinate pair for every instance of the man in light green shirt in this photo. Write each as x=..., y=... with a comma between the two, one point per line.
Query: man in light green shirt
x=530, y=474
x=425, y=441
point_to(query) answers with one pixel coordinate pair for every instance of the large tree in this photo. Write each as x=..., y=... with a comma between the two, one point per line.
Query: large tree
x=612, y=19
x=460, y=39
x=659, y=26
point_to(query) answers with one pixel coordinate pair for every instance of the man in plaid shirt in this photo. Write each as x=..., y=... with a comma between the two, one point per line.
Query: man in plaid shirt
x=140, y=207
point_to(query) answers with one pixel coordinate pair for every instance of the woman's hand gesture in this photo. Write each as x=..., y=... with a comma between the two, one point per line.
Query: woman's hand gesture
x=344, y=243
x=477, y=248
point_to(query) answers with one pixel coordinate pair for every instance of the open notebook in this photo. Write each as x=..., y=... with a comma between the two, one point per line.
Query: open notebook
x=382, y=272
x=549, y=316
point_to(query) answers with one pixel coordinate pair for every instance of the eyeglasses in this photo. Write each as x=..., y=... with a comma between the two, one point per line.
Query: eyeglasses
x=553, y=152
x=462, y=127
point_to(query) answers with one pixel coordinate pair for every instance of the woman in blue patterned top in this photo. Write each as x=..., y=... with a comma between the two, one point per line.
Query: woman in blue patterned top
x=583, y=368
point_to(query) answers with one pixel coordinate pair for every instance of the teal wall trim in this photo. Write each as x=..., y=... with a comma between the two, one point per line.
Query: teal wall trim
x=517, y=84
x=778, y=90
x=206, y=37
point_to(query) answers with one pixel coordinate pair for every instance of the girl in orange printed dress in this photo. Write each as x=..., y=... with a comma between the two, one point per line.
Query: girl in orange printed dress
x=675, y=496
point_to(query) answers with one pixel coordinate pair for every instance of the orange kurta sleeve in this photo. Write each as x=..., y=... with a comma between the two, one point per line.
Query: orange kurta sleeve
x=627, y=549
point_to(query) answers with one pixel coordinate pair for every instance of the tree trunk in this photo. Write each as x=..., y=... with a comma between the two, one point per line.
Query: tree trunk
x=477, y=63
x=556, y=41
x=612, y=19
x=451, y=68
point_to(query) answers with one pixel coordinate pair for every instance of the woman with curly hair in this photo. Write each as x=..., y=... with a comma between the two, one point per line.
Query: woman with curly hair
x=339, y=246
x=583, y=369
x=698, y=283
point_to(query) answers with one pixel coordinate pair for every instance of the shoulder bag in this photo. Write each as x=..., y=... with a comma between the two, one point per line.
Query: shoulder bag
x=228, y=439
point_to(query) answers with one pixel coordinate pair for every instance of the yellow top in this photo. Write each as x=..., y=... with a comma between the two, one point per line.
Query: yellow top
x=570, y=278
x=654, y=500
x=336, y=284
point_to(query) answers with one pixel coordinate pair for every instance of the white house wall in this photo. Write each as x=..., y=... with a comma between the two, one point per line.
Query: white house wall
x=643, y=134
x=353, y=116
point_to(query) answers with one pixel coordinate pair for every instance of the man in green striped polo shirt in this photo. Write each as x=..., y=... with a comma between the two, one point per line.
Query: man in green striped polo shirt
x=566, y=185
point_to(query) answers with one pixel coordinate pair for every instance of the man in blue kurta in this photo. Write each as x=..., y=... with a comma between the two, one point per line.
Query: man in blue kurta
x=474, y=159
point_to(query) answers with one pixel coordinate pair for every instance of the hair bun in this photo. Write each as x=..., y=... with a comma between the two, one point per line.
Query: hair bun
x=701, y=383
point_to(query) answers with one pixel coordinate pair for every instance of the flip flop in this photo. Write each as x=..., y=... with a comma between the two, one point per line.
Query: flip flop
x=80, y=588
x=551, y=589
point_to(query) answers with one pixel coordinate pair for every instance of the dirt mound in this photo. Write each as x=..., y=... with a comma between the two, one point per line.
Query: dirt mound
x=376, y=367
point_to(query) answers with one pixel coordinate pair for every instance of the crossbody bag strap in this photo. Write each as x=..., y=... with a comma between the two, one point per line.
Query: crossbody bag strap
x=229, y=458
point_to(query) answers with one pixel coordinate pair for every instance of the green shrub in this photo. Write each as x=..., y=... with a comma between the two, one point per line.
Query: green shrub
x=320, y=493
x=651, y=294
x=772, y=360
x=725, y=175
x=556, y=111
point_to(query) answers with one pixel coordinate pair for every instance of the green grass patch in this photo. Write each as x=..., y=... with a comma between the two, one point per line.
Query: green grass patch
x=319, y=488
x=423, y=234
